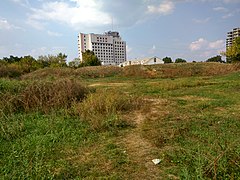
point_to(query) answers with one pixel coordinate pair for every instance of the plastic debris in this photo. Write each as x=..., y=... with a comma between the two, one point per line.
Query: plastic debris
x=156, y=161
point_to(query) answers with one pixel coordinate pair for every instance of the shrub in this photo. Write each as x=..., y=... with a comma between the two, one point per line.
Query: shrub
x=102, y=109
x=47, y=95
x=44, y=96
x=11, y=71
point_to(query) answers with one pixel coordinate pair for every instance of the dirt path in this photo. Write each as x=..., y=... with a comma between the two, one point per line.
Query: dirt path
x=139, y=150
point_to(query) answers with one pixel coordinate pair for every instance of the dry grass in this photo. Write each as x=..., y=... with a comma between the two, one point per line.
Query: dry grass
x=180, y=70
x=98, y=71
x=102, y=109
x=10, y=71
x=48, y=73
x=139, y=71
x=84, y=72
x=44, y=96
x=154, y=71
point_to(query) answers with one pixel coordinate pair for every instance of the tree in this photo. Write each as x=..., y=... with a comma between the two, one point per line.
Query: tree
x=167, y=60
x=180, y=60
x=12, y=59
x=233, y=52
x=217, y=58
x=75, y=63
x=43, y=61
x=61, y=60
x=90, y=59
x=28, y=64
x=53, y=61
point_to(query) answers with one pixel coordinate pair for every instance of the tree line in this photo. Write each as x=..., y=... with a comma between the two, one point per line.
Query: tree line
x=232, y=55
x=217, y=58
x=14, y=66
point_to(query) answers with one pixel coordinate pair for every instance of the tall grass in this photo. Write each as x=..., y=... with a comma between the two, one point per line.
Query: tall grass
x=154, y=71
x=54, y=127
x=102, y=109
x=180, y=70
x=44, y=96
x=10, y=71
x=83, y=72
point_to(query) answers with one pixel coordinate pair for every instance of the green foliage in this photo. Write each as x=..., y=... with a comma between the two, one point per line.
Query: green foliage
x=233, y=52
x=53, y=61
x=48, y=131
x=28, y=64
x=75, y=63
x=12, y=59
x=197, y=131
x=180, y=60
x=90, y=59
x=167, y=60
x=37, y=146
x=16, y=66
x=215, y=59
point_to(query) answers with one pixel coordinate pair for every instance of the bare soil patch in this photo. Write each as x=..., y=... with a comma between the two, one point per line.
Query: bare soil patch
x=108, y=84
x=139, y=150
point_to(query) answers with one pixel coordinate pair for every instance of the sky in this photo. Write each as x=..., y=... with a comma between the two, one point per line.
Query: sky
x=194, y=30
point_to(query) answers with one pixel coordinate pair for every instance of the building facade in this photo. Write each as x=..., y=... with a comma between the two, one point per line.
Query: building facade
x=231, y=36
x=109, y=47
x=145, y=61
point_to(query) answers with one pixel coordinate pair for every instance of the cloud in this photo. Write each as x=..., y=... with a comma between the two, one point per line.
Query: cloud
x=203, y=44
x=164, y=8
x=36, y=24
x=228, y=15
x=5, y=25
x=221, y=9
x=129, y=49
x=47, y=50
x=56, y=34
x=24, y=3
x=196, y=45
x=231, y=1
x=201, y=21
x=219, y=44
x=203, y=49
x=81, y=14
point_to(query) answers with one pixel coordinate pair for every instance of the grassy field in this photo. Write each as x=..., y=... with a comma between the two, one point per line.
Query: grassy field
x=109, y=123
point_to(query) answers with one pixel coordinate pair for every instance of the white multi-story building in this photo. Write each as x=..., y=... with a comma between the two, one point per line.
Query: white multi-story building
x=231, y=36
x=109, y=47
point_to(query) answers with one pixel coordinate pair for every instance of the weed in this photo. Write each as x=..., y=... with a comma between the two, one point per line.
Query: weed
x=53, y=127
x=44, y=96
x=83, y=72
x=102, y=109
x=10, y=71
